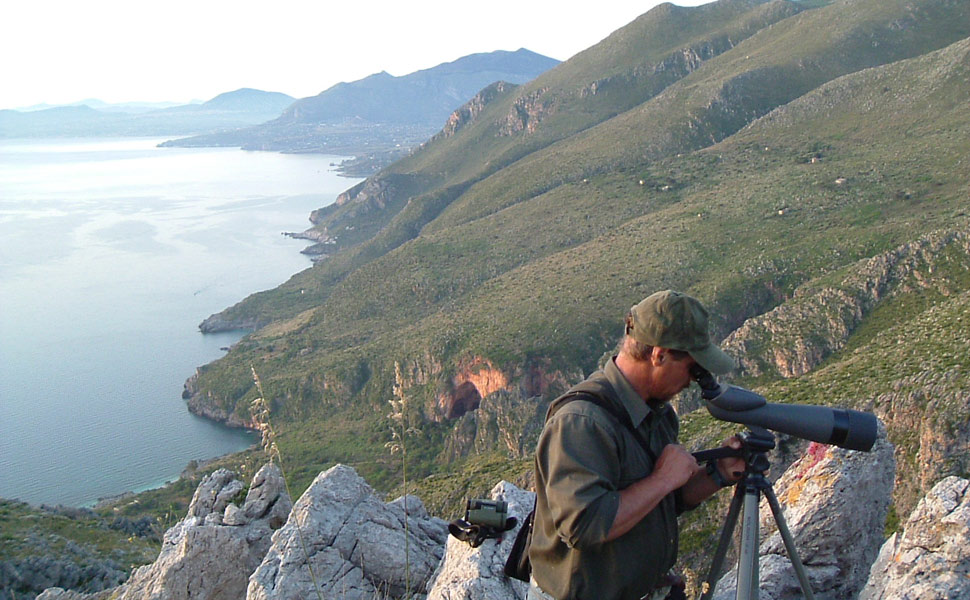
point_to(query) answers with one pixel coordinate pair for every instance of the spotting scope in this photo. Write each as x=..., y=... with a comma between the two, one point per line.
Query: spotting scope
x=846, y=428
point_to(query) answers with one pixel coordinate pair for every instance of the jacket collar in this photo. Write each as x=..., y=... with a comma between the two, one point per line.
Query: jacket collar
x=631, y=401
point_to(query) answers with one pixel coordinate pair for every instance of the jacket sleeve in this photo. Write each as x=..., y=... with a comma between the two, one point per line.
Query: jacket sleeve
x=578, y=460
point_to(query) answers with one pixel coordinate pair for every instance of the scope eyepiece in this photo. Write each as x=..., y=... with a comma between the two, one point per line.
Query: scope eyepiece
x=704, y=378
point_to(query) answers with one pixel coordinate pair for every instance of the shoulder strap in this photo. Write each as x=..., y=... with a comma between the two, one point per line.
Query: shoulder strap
x=591, y=391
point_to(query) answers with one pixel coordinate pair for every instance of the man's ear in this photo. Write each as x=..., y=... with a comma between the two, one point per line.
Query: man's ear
x=658, y=355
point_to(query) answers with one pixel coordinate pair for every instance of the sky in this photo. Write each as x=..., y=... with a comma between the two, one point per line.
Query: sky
x=63, y=51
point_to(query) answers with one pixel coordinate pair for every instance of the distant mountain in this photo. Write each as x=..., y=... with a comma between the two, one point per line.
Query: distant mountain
x=226, y=111
x=126, y=107
x=243, y=100
x=381, y=110
x=422, y=98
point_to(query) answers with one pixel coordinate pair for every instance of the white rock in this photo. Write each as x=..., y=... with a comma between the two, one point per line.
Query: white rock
x=203, y=557
x=468, y=573
x=342, y=541
x=930, y=558
x=835, y=503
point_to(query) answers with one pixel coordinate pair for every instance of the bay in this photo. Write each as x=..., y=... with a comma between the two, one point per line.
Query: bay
x=111, y=253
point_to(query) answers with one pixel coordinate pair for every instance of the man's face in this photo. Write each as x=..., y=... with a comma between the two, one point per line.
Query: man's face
x=671, y=373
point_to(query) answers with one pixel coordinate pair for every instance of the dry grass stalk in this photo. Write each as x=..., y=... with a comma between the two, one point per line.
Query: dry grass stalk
x=260, y=411
x=400, y=429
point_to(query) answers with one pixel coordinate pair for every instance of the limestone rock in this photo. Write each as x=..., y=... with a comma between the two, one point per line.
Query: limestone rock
x=835, y=503
x=355, y=545
x=203, y=557
x=930, y=558
x=468, y=573
x=56, y=593
x=212, y=491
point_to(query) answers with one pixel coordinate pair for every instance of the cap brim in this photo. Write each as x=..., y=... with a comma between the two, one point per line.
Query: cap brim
x=713, y=359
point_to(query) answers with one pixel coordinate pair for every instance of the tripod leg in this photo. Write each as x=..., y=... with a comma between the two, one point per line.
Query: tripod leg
x=789, y=543
x=722, y=545
x=748, y=559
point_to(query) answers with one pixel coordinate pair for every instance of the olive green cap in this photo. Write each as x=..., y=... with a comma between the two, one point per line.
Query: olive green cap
x=677, y=321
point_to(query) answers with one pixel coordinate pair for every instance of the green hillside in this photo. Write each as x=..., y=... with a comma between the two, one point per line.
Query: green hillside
x=494, y=265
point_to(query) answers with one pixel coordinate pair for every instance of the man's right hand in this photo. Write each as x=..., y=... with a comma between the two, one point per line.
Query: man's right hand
x=675, y=466
x=673, y=469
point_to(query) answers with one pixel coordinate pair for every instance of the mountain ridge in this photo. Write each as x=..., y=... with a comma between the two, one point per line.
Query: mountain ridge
x=230, y=109
x=391, y=114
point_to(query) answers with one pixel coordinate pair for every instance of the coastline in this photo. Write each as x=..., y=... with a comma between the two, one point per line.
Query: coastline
x=187, y=473
x=97, y=353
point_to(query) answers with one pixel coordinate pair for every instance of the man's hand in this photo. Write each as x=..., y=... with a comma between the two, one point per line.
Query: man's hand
x=731, y=467
x=676, y=466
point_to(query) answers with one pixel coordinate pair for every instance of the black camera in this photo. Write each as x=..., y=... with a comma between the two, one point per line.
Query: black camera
x=484, y=519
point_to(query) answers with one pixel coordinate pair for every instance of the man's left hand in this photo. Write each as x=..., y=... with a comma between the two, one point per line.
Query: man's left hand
x=731, y=467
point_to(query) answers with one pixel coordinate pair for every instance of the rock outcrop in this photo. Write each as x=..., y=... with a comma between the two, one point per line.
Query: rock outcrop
x=358, y=548
x=469, y=111
x=503, y=420
x=342, y=541
x=218, y=323
x=468, y=573
x=930, y=557
x=797, y=336
x=210, y=554
x=204, y=404
x=835, y=503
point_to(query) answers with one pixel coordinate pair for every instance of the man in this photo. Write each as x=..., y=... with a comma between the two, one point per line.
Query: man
x=607, y=492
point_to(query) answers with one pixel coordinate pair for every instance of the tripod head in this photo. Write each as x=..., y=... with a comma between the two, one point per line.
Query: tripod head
x=756, y=442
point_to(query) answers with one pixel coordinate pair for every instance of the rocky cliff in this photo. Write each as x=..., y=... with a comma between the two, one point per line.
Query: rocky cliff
x=818, y=320
x=928, y=558
x=894, y=326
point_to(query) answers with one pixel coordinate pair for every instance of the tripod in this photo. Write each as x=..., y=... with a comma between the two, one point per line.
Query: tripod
x=756, y=442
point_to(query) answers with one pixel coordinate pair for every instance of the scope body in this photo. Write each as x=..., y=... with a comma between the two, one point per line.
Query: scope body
x=846, y=428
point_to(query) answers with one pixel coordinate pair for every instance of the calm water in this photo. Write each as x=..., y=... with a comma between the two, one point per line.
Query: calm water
x=111, y=253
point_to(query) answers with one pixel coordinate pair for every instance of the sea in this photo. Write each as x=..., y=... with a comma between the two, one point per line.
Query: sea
x=112, y=251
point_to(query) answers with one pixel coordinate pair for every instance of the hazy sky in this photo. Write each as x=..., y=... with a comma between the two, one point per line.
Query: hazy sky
x=61, y=51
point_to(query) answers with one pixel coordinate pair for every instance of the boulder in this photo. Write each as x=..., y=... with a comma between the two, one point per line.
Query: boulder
x=835, y=503
x=930, y=558
x=210, y=554
x=342, y=541
x=468, y=573
x=203, y=557
x=56, y=593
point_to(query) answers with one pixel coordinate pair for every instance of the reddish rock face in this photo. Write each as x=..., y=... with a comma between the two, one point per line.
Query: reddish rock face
x=474, y=380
